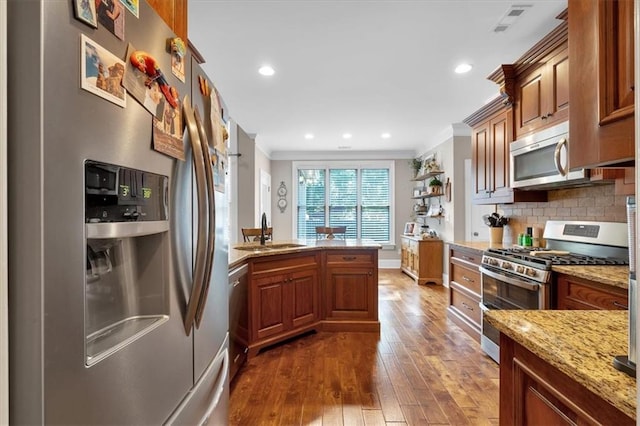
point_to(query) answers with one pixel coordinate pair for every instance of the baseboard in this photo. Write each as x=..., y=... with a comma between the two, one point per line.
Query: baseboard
x=388, y=263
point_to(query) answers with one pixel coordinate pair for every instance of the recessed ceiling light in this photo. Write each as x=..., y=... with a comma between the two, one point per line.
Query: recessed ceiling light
x=463, y=68
x=346, y=136
x=308, y=136
x=266, y=70
x=385, y=135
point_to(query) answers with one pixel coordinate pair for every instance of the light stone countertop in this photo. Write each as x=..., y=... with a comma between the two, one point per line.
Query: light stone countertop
x=581, y=344
x=239, y=253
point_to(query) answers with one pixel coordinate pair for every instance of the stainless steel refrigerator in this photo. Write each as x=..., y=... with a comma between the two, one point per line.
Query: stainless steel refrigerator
x=118, y=265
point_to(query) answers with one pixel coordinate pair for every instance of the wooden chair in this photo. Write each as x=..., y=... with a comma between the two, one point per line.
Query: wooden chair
x=253, y=234
x=329, y=232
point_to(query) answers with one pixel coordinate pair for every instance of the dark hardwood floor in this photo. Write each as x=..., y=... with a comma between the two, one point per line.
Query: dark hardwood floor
x=420, y=370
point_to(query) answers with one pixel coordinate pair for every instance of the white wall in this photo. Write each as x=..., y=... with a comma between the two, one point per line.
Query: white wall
x=246, y=198
x=4, y=304
x=262, y=168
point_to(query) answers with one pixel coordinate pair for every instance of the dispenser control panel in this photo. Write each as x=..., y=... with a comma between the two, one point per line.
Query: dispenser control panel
x=120, y=194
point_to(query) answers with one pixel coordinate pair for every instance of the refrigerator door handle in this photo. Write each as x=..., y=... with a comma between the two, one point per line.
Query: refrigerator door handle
x=219, y=388
x=211, y=236
x=199, y=267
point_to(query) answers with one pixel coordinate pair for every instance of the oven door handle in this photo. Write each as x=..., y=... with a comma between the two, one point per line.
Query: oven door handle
x=509, y=280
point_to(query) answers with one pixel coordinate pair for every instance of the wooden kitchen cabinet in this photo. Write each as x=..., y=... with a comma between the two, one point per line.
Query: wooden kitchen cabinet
x=533, y=392
x=174, y=14
x=542, y=95
x=351, y=290
x=465, y=290
x=602, y=87
x=284, y=298
x=579, y=293
x=422, y=259
x=491, y=134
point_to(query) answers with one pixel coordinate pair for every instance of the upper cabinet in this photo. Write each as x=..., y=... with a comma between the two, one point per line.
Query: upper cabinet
x=601, y=47
x=542, y=95
x=491, y=134
x=174, y=14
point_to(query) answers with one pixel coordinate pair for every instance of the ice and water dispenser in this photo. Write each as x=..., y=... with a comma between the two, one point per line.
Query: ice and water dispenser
x=127, y=256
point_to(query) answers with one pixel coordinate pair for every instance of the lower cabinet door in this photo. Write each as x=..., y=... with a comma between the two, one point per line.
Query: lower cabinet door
x=268, y=306
x=350, y=293
x=304, y=288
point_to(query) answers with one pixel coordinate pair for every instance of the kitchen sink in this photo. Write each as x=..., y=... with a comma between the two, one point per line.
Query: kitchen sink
x=268, y=247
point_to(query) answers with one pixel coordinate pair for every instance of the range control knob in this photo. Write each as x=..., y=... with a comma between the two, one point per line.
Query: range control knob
x=520, y=269
x=506, y=265
x=531, y=272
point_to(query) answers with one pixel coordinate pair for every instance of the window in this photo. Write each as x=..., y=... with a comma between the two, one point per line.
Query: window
x=358, y=197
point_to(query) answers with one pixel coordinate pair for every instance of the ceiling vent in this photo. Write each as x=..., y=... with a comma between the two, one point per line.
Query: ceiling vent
x=510, y=17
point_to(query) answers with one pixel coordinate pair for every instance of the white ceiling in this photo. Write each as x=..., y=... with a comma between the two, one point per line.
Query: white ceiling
x=362, y=67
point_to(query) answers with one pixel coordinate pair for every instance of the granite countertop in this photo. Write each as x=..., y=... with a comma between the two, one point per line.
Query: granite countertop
x=239, y=253
x=581, y=344
x=614, y=275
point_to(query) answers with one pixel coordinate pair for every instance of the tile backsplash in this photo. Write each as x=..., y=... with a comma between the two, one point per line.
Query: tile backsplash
x=590, y=203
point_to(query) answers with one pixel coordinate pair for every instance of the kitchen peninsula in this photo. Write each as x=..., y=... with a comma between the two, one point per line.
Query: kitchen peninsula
x=297, y=286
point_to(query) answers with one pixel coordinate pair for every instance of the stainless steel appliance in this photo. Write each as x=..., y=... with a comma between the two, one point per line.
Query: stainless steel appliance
x=118, y=254
x=540, y=160
x=627, y=363
x=520, y=278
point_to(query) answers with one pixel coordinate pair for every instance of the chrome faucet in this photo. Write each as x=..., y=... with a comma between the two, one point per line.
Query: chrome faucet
x=263, y=229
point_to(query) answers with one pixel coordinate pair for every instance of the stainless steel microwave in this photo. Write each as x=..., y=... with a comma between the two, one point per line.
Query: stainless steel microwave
x=541, y=160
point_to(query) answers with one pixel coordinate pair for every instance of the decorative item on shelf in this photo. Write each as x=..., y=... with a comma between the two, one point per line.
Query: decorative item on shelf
x=431, y=165
x=435, y=211
x=420, y=208
x=496, y=223
x=435, y=185
x=416, y=165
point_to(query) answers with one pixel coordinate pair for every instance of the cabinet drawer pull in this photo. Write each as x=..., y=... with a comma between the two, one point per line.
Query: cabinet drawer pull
x=467, y=279
x=236, y=358
x=467, y=306
x=370, y=273
x=619, y=305
x=469, y=258
x=348, y=258
x=236, y=283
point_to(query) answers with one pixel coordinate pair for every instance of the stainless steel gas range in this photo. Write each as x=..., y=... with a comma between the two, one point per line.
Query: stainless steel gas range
x=521, y=278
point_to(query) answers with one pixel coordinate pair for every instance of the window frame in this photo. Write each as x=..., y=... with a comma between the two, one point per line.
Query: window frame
x=346, y=164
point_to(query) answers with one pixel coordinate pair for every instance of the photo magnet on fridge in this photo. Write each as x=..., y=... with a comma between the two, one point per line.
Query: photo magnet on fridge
x=101, y=72
x=111, y=16
x=85, y=11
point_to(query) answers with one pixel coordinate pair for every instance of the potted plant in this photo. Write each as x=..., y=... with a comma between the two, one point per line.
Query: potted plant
x=416, y=165
x=435, y=185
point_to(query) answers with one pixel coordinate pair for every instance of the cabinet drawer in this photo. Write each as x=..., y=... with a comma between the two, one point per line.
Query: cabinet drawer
x=465, y=276
x=466, y=255
x=574, y=293
x=284, y=263
x=466, y=304
x=350, y=257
